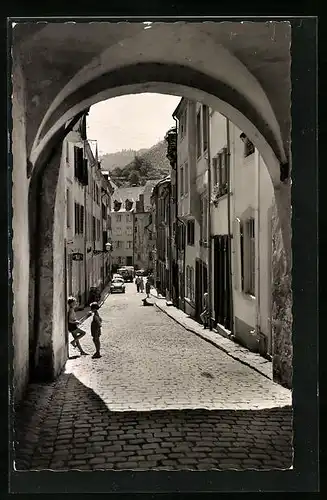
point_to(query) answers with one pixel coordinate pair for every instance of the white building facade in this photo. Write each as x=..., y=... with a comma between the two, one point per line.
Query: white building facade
x=225, y=200
x=88, y=225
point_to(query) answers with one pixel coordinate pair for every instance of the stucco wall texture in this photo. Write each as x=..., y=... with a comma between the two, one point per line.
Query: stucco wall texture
x=20, y=237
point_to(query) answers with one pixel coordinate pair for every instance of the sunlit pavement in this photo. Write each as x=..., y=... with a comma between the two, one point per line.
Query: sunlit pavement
x=145, y=404
x=149, y=362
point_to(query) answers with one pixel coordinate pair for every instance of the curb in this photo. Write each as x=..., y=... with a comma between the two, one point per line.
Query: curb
x=214, y=344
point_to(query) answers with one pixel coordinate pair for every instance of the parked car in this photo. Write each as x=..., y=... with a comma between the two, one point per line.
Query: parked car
x=127, y=273
x=140, y=272
x=117, y=286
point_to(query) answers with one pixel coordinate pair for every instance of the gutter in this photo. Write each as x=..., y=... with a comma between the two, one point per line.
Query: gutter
x=209, y=223
x=232, y=325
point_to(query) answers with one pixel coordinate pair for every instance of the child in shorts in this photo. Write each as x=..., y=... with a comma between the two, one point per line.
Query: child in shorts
x=96, y=328
x=77, y=333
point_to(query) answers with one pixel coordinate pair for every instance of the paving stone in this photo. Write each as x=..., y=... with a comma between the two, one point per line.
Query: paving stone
x=90, y=415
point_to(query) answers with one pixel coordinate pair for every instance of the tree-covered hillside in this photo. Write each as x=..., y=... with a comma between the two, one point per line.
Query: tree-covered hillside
x=151, y=164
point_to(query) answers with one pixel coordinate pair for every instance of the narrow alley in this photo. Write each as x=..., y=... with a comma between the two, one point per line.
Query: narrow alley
x=160, y=397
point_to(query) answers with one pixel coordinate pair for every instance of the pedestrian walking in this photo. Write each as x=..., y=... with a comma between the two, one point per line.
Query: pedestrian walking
x=147, y=288
x=205, y=313
x=137, y=283
x=77, y=333
x=96, y=329
x=141, y=285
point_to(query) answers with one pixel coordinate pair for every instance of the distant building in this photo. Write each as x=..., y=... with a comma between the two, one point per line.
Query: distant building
x=88, y=225
x=131, y=227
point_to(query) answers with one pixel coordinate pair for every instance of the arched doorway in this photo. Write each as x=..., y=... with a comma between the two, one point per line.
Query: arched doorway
x=203, y=70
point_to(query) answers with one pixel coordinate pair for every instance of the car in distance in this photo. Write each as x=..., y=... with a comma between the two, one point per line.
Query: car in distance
x=140, y=272
x=117, y=286
x=116, y=275
x=127, y=272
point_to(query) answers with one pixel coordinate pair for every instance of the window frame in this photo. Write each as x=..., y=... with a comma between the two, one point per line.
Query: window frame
x=205, y=128
x=248, y=256
x=220, y=172
x=181, y=181
x=198, y=135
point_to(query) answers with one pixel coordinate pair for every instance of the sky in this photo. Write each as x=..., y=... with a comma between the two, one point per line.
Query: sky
x=131, y=122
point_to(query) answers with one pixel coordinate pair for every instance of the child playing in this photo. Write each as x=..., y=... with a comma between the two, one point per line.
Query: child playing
x=76, y=332
x=96, y=329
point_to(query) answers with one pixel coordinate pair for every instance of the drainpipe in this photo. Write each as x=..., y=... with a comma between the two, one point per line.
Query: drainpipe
x=103, y=254
x=133, y=231
x=176, y=214
x=85, y=237
x=209, y=222
x=229, y=228
x=257, y=237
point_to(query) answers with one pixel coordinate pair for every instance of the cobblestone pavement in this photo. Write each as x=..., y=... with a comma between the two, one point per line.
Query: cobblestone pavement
x=152, y=363
x=145, y=403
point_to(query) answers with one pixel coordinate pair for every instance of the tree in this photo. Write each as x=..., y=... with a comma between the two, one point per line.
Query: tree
x=134, y=178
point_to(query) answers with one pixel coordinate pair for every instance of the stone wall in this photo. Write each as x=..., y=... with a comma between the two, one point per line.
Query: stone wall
x=50, y=345
x=20, y=237
x=59, y=296
x=281, y=304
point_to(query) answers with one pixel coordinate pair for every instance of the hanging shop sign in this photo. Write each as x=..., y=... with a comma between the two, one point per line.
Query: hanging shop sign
x=77, y=256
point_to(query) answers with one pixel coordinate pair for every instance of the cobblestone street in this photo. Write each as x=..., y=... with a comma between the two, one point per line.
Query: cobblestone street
x=160, y=397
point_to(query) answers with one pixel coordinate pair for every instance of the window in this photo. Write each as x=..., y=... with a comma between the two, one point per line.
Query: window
x=182, y=123
x=118, y=231
x=79, y=218
x=80, y=166
x=186, y=180
x=104, y=211
x=190, y=232
x=181, y=181
x=118, y=217
x=68, y=208
x=129, y=231
x=128, y=218
x=248, y=145
x=198, y=135
x=204, y=220
x=119, y=244
x=81, y=214
x=129, y=245
x=247, y=247
x=220, y=172
x=205, y=122
x=190, y=292
x=93, y=228
x=98, y=229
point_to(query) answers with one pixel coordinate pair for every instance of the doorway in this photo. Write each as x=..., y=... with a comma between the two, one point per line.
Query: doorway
x=222, y=288
x=201, y=286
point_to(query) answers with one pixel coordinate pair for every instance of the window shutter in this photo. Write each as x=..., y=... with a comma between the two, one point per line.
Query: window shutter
x=76, y=161
x=82, y=219
x=236, y=242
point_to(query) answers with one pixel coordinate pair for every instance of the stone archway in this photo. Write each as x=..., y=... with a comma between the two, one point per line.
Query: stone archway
x=200, y=62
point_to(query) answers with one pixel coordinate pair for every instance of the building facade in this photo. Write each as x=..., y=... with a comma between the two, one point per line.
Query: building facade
x=88, y=224
x=221, y=200
x=131, y=227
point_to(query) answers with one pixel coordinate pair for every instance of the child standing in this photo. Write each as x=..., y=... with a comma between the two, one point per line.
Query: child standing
x=96, y=328
x=76, y=332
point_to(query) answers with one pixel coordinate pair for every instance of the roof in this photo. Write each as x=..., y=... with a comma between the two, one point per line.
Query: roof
x=128, y=193
x=180, y=104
